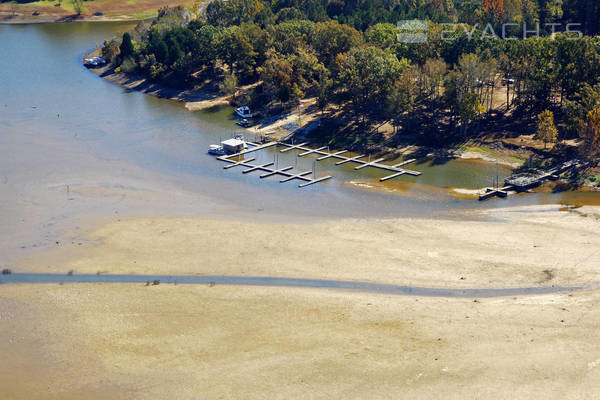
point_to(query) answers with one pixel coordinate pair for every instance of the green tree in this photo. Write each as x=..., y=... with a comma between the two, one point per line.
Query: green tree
x=276, y=74
x=589, y=131
x=400, y=99
x=464, y=89
x=161, y=51
x=284, y=93
x=232, y=12
x=325, y=89
x=289, y=36
x=77, y=6
x=367, y=73
x=432, y=76
x=295, y=92
x=207, y=51
x=306, y=67
x=289, y=13
x=229, y=84
x=382, y=35
x=584, y=101
x=261, y=41
x=236, y=50
x=331, y=39
x=469, y=108
x=546, y=130
x=126, y=46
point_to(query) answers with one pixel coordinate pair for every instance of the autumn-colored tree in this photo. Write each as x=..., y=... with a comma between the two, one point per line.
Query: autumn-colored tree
x=589, y=131
x=494, y=9
x=276, y=75
x=546, y=130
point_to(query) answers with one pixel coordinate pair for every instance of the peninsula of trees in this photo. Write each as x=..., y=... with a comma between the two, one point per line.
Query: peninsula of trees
x=347, y=55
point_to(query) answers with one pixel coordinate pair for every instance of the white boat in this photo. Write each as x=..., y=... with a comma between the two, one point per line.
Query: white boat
x=94, y=62
x=216, y=150
x=243, y=112
x=90, y=62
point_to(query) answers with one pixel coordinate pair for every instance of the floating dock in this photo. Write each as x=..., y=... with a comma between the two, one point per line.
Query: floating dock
x=493, y=192
x=519, y=183
x=267, y=168
x=323, y=153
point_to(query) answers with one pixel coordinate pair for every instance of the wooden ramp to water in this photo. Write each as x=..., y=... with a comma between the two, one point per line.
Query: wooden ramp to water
x=324, y=155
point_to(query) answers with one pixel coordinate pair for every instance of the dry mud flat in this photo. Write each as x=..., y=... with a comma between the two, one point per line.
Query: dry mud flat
x=523, y=247
x=191, y=342
x=106, y=341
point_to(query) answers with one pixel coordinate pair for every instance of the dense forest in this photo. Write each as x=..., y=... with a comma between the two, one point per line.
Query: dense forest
x=348, y=56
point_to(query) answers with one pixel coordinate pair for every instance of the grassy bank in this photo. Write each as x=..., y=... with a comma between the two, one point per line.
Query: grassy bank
x=93, y=10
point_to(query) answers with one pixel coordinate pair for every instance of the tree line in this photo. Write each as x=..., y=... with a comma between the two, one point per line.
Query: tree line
x=300, y=48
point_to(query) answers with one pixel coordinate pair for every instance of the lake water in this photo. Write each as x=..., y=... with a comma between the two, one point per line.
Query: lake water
x=74, y=147
x=212, y=280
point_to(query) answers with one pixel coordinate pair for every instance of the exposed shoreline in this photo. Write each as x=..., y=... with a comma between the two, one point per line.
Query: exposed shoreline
x=206, y=97
x=276, y=342
x=307, y=116
x=91, y=11
x=59, y=18
x=512, y=250
x=200, y=99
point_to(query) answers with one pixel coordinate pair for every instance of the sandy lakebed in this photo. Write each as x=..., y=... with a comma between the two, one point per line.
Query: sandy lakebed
x=99, y=341
x=100, y=179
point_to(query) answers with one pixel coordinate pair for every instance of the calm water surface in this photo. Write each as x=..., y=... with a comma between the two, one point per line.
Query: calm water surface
x=74, y=147
x=212, y=280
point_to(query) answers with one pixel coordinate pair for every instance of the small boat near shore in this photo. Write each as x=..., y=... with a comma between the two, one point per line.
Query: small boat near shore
x=216, y=150
x=244, y=123
x=94, y=62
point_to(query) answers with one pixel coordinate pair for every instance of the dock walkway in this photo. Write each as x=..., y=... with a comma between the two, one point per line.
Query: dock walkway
x=234, y=161
x=523, y=182
x=339, y=155
x=323, y=153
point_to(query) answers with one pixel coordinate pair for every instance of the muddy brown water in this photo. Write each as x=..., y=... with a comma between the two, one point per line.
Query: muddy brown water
x=76, y=150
